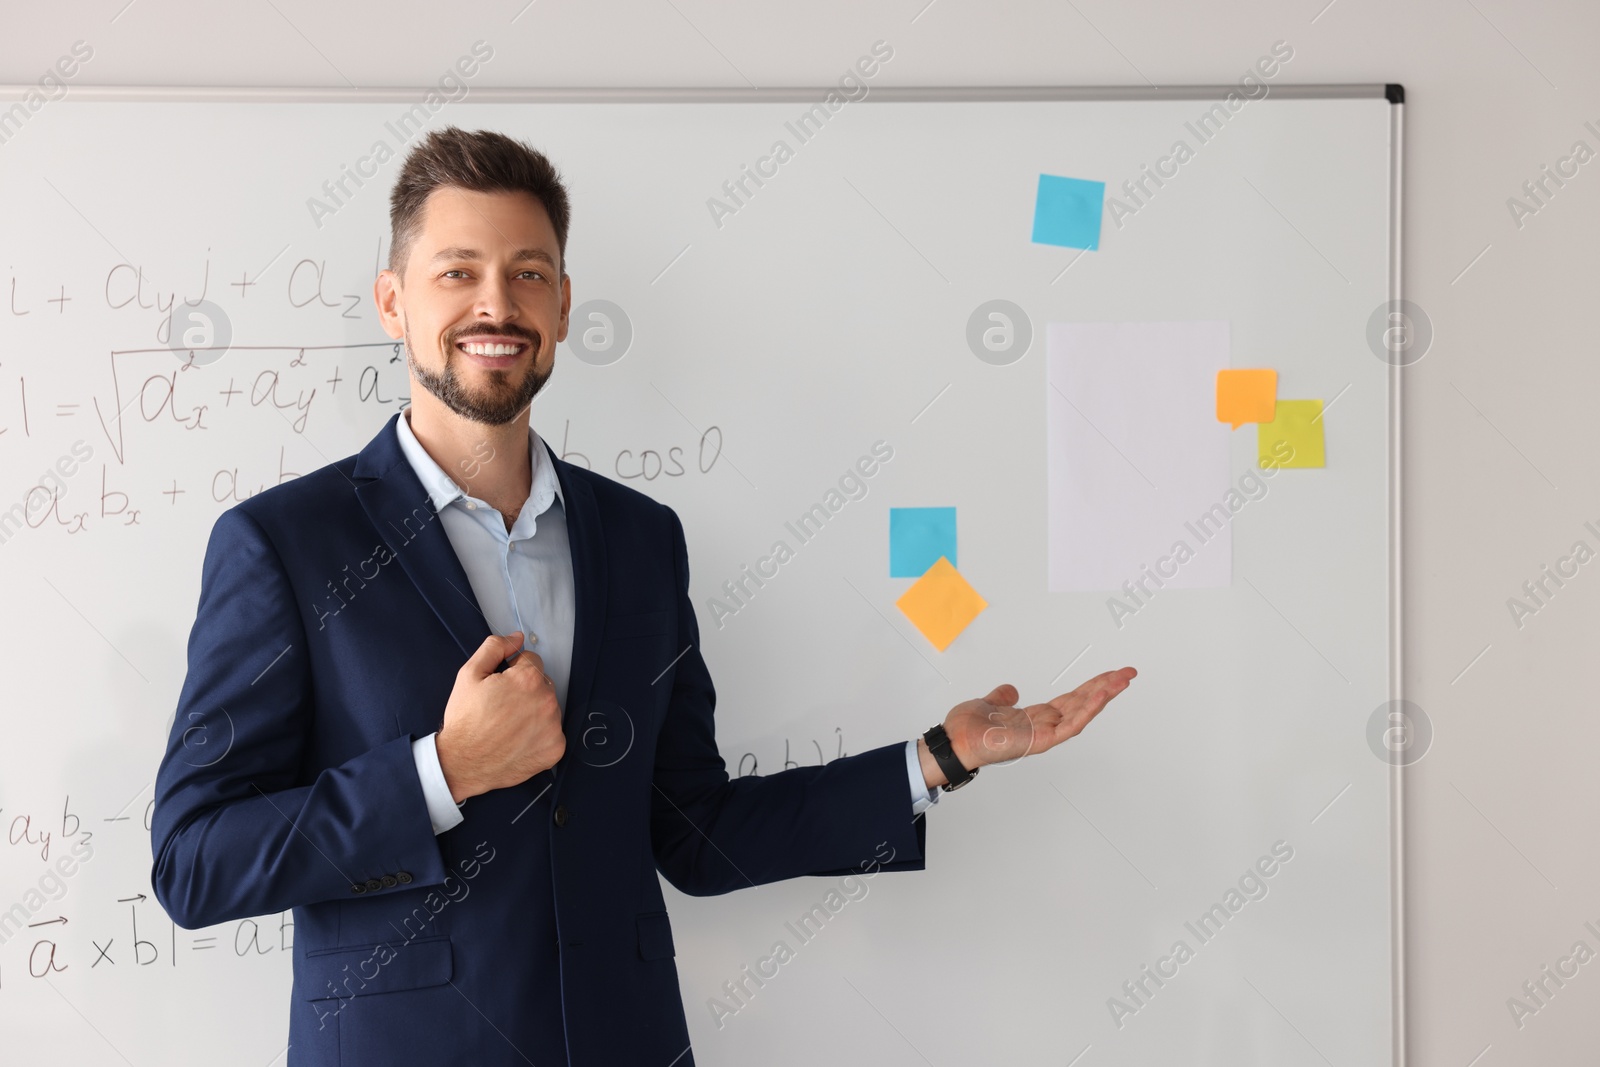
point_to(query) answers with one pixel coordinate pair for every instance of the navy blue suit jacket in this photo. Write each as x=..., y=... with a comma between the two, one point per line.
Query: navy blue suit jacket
x=332, y=620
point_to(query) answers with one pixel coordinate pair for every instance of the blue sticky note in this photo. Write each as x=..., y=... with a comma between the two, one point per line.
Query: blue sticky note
x=918, y=537
x=1067, y=212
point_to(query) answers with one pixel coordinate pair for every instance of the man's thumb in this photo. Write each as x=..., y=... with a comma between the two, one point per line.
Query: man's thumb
x=495, y=648
x=1003, y=694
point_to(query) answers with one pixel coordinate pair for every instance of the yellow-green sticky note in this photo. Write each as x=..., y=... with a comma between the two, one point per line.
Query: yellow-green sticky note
x=1294, y=436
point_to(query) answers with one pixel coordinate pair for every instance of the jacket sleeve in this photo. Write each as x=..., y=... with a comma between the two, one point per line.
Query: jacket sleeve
x=712, y=835
x=241, y=827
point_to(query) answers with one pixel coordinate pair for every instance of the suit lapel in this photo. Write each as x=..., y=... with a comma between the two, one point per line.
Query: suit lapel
x=398, y=506
x=588, y=587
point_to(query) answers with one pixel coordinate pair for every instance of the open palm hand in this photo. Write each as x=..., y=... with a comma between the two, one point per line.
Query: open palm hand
x=992, y=729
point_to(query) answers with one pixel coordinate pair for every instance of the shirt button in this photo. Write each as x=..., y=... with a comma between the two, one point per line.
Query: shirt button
x=471, y=506
x=562, y=815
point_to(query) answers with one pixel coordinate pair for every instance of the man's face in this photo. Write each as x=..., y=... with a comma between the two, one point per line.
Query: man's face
x=482, y=304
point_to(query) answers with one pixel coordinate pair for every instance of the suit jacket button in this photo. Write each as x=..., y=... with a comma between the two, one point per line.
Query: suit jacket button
x=390, y=881
x=562, y=815
x=403, y=877
x=358, y=887
x=374, y=885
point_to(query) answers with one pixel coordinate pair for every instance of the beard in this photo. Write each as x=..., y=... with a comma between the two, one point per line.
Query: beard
x=497, y=403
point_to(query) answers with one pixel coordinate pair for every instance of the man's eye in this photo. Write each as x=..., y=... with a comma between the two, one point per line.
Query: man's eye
x=457, y=271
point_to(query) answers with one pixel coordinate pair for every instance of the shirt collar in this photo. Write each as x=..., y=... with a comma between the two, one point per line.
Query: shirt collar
x=442, y=489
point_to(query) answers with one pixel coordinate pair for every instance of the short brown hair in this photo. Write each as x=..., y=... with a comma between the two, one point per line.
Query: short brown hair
x=483, y=161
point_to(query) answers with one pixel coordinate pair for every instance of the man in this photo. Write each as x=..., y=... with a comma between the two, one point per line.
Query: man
x=446, y=698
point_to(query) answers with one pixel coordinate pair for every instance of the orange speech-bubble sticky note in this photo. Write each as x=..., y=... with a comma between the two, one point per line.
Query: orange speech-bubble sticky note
x=1246, y=396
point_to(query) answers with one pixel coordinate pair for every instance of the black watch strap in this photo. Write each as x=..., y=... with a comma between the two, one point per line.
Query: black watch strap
x=939, y=744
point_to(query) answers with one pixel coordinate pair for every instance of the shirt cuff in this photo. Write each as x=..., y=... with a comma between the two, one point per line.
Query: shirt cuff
x=921, y=797
x=443, y=811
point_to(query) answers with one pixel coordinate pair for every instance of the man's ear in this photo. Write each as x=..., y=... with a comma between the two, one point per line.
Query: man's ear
x=386, y=294
x=566, y=306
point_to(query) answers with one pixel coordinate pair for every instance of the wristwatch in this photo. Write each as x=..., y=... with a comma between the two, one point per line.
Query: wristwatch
x=939, y=744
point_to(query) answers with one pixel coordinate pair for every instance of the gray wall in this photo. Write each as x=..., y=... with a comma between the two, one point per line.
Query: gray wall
x=1500, y=480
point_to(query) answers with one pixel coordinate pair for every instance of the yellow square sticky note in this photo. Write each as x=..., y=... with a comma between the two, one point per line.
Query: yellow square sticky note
x=1294, y=437
x=1246, y=396
x=941, y=604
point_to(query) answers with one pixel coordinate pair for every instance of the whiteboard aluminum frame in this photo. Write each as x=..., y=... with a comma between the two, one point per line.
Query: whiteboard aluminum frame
x=1397, y=770
x=970, y=94
x=687, y=94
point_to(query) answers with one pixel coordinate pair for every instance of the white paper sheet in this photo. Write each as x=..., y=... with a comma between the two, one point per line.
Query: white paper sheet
x=1137, y=458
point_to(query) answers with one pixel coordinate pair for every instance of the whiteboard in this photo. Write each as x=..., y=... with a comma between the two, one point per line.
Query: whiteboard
x=769, y=349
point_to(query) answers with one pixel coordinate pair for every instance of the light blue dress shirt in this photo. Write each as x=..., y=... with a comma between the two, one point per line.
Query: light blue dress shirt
x=522, y=578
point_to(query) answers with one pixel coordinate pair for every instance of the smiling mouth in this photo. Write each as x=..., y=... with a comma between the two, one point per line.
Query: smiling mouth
x=492, y=353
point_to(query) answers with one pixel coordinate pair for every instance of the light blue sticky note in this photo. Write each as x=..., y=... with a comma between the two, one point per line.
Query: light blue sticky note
x=918, y=537
x=1067, y=212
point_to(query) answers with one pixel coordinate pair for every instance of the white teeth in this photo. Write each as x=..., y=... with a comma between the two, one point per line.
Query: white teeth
x=490, y=350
